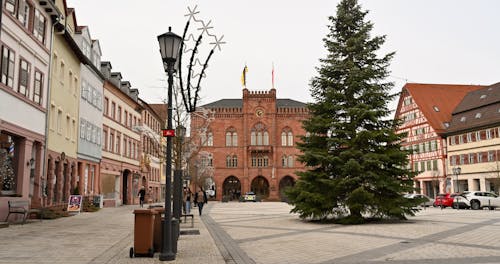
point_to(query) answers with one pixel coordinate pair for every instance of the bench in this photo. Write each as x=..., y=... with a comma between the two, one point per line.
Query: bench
x=22, y=207
x=192, y=219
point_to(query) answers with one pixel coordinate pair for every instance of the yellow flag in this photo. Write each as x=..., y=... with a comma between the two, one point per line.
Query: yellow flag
x=244, y=77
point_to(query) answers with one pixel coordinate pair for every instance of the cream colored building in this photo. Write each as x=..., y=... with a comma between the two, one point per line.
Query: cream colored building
x=64, y=108
x=121, y=152
x=474, y=142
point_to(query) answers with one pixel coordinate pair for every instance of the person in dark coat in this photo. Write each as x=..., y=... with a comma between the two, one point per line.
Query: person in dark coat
x=142, y=195
x=200, y=198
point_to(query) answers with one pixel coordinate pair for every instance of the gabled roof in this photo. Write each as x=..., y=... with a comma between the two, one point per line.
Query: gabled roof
x=479, y=108
x=238, y=103
x=437, y=101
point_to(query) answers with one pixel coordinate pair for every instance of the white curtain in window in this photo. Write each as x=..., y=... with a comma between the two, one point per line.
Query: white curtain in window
x=290, y=139
x=266, y=138
x=235, y=139
x=228, y=139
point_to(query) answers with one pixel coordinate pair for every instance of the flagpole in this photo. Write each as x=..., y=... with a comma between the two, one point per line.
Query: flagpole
x=272, y=77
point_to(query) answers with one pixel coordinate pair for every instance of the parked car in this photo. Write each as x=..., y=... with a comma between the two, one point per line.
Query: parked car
x=477, y=200
x=445, y=199
x=426, y=200
x=249, y=197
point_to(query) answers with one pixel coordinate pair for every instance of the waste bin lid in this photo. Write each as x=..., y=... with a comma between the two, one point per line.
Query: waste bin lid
x=144, y=211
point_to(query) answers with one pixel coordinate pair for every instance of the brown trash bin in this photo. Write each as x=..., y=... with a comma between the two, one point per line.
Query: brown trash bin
x=157, y=236
x=143, y=233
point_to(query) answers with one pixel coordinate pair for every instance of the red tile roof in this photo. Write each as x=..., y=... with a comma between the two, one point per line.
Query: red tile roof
x=443, y=96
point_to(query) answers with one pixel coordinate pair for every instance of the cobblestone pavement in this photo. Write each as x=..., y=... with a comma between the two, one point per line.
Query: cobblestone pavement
x=101, y=237
x=267, y=233
x=248, y=233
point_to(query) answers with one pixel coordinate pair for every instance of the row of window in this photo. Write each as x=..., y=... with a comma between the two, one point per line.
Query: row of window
x=423, y=147
x=90, y=132
x=152, y=122
x=129, y=120
x=150, y=146
x=257, y=138
x=472, y=158
x=27, y=87
x=29, y=17
x=428, y=165
x=91, y=95
x=56, y=123
x=113, y=144
x=287, y=161
x=476, y=136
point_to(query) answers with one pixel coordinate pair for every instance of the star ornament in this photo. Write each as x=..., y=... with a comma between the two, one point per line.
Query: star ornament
x=204, y=28
x=218, y=42
x=192, y=13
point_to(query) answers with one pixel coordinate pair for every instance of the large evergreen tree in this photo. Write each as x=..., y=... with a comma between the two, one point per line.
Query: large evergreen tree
x=356, y=166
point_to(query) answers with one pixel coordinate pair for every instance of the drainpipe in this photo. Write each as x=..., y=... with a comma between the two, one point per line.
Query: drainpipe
x=47, y=107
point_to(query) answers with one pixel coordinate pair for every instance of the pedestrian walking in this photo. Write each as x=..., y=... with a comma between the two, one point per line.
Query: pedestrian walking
x=187, y=200
x=200, y=198
x=142, y=195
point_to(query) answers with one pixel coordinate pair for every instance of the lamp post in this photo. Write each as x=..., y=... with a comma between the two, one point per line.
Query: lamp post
x=457, y=171
x=180, y=133
x=169, y=49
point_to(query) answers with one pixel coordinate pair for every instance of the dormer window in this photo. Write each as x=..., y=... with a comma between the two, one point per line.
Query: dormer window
x=463, y=118
x=478, y=115
x=446, y=124
x=436, y=108
x=482, y=96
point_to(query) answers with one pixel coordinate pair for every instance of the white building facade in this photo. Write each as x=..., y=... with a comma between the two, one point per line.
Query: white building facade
x=26, y=33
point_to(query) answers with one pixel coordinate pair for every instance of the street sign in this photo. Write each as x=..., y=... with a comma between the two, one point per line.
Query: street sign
x=168, y=132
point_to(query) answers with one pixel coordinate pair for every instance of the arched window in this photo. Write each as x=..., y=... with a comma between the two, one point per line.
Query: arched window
x=235, y=139
x=210, y=160
x=210, y=139
x=265, y=161
x=259, y=135
x=231, y=161
x=228, y=139
x=290, y=161
x=253, y=138
x=231, y=138
x=259, y=138
x=235, y=161
x=284, y=161
x=286, y=137
x=290, y=138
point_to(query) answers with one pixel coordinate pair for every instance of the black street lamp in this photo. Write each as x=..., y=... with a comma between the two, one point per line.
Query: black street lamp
x=457, y=171
x=169, y=49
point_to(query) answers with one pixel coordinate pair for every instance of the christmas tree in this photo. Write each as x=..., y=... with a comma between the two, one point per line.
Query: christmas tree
x=7, y=176
x=357, y=167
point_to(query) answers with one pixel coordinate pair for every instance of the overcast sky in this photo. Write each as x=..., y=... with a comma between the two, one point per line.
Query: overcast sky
x=447, y=41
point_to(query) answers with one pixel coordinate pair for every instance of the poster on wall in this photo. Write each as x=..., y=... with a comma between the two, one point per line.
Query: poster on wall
x=74, y=204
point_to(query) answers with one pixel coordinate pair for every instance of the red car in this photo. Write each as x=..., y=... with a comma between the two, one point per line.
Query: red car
x=445, y=199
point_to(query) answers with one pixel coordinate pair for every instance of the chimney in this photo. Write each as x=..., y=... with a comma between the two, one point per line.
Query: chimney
x=106, y=69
